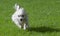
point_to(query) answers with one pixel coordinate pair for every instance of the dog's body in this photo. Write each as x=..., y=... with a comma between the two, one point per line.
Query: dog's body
x=20, y=17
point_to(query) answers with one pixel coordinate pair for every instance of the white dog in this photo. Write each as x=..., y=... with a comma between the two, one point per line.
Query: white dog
x=20, y=17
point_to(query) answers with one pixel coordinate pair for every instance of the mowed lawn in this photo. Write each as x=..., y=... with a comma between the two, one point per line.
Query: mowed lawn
x=44, y=18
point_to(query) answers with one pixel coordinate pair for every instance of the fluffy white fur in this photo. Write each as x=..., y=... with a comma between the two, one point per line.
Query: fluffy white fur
x=20, y=17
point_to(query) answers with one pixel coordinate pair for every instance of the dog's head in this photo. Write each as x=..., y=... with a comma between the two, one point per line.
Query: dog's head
x=20, y=13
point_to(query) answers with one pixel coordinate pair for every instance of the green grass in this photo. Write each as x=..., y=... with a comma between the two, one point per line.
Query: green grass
x=44, y=18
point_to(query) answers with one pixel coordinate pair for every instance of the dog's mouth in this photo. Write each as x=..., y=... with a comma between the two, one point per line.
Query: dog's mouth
x=21, y=19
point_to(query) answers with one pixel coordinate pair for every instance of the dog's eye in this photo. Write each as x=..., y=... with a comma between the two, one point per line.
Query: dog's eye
x=22, y=15
x=18, y=15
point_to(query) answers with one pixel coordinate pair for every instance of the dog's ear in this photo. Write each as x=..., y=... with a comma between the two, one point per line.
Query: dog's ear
x=16, y=6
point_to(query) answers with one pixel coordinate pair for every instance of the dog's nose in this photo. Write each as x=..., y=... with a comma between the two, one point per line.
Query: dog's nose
x=21, y=19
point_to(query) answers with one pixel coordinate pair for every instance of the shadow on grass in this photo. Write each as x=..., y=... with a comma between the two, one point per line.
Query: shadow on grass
x=43, y=29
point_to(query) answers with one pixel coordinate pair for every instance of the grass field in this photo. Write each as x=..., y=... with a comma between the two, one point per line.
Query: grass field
x=44, y=18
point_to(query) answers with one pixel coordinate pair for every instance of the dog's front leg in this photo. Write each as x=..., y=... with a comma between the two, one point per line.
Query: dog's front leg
x=18, y=24
x=24, y=27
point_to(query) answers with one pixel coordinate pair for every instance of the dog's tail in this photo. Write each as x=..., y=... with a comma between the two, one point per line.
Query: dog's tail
x=17, y=6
